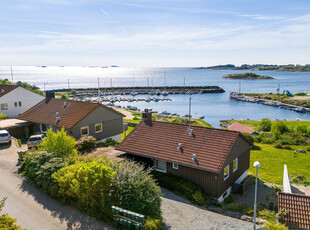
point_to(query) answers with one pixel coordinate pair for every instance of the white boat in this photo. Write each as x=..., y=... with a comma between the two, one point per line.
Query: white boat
x=164, y=113
x=156, y=99
x=148, y=99
x=151, y=93
x=189, y=93
x=165, y=93
x=133, y=93
x=158, y=92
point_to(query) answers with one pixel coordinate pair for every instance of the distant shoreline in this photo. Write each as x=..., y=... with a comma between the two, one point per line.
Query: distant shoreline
x=246, y=76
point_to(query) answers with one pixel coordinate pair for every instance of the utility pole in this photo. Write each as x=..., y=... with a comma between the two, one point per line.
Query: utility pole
x=189, y=112
x=12, y=74
x=98, y=88
x=68, y=83
x=111, y=82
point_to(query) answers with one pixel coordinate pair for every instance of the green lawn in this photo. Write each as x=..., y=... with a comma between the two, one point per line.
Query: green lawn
x=255, y=124
x=127, y=132
x=272, y=161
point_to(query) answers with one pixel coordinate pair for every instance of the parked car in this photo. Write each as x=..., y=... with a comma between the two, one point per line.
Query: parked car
x=35, y=140
x=5, y=137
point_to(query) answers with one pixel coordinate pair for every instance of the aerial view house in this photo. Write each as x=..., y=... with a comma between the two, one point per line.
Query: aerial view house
x=77, y=117
x=14, y=100
x=242, y=128
x=212, y=158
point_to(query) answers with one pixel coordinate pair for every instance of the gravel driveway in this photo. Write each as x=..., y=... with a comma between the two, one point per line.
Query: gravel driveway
x=181, y=214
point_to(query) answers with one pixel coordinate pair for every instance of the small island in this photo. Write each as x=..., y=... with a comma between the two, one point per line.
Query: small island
x=246, y=76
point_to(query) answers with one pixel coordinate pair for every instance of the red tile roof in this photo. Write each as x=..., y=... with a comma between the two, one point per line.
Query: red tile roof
x=45, y=112
x=298, y=207
x=240, y=128
x=160, y=140
x=4, y=89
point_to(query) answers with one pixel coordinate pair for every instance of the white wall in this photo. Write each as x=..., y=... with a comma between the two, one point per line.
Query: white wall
x=26, y=97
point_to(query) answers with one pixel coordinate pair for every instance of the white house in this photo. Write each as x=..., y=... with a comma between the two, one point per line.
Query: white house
x=15, y=100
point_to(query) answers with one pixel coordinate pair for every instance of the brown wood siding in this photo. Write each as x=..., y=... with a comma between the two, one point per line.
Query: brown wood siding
x=206, y=180
x=243, y=165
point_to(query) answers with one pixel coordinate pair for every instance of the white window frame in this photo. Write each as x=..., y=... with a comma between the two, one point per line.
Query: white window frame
x=4, y=108
x=161, y=170
x=100, y=128
x=236, y=164
x=225, y=178
x=175, y=165
x=87, y=131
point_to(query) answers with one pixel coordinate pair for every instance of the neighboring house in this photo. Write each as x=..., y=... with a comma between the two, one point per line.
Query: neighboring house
x=77, y=117
x=298, y=210
x=242, y=128
x=14, y=100
x=212, y=158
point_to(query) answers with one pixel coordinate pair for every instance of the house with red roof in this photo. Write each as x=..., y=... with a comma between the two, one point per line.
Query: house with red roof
x=212, y=158
x=241, y=128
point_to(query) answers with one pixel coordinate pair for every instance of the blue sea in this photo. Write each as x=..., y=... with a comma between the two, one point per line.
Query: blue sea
x=214, y=107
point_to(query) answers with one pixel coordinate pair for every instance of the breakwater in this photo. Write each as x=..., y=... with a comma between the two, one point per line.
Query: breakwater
x=144, y=90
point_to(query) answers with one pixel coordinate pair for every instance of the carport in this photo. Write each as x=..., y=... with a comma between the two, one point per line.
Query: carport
x=16, y=127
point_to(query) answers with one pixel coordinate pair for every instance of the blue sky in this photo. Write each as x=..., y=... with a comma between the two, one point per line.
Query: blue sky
x=154, y=33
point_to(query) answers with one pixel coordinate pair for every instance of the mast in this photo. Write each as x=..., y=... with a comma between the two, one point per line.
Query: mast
x=189, y=112
x=98, y=88
x=68, y=83
x=12, y=74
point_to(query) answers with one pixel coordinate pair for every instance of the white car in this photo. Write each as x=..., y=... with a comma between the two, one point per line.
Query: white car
x=35, y=140
x=5, y=137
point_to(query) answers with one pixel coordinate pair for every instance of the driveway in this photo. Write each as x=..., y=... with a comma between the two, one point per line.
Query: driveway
x=180, y=214
x=32, y=207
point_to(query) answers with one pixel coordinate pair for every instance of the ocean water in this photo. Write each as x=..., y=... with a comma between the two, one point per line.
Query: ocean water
x=214, y=107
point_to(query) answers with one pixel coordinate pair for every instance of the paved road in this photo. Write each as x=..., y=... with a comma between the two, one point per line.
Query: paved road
x=180, y=214
x=33, y=209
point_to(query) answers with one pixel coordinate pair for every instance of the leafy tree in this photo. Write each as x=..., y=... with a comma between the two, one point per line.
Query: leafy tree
x=7, y=222
x=73, y=92
x=279, y=128
x=59, y=143
x=85, y=184
x=134, y=189
x=3, y=116
x=265, y=124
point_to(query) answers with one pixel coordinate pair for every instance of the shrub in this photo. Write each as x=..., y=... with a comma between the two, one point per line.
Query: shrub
x=279, y=128
x=59, y=143
x=153, y=224
x=265, y=125
x=249, y=137
x=135, y=118
x=108, y=142
x=243, y=208
x=86, y=143
x=134, y=189
x=179, y=186
x=3, y=116
x=271, y=225
x=229, y=199
x=199, y=198
x=39, y=167
x=85, y=184
x=295, y=180
x=278, y=146
x=19, y=142
x=7, y=222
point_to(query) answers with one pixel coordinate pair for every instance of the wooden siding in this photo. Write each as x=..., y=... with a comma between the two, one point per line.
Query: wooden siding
x=206, y=180
x=243, y=165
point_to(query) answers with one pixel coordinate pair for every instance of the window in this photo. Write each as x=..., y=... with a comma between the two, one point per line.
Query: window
x=235, y=164
x=15, y=104
x=84, y=131
x=19, y=103
x=226, y=172
x=175, y=166
x=98, y=128
x=4, y=106
x=50, y=127
x=161, y=166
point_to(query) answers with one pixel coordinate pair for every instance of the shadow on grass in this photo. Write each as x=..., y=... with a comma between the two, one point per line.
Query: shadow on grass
x=74, y=218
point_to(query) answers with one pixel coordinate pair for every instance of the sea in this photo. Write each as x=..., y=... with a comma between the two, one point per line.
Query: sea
x=213, y=107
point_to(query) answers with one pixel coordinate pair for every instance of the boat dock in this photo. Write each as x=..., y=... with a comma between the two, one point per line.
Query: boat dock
x=282, y=105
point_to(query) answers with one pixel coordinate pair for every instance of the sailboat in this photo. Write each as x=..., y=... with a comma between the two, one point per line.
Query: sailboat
x=165, y=93
x=133, y=93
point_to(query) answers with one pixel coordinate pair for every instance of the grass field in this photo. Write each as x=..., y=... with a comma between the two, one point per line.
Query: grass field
x=127, y=132
x=272, y=161
x=255, y=124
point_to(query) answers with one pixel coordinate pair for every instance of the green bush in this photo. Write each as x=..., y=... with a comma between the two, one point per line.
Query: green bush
x=86, y=143
x=134, y=189
x=229, y=199
x=19, y=142
x=179, y=186
x=59, y=143
x=295, y=180
x=39, y=167
x=152, y=224
x=271, y=225
x=278, y=146
x=243, y=208
x=279, y=128
x=199, y=198
x=249, y=137
x=108, y=142
x=3, y=116
x=85, y=185
x=9, y=223
x=265, y=124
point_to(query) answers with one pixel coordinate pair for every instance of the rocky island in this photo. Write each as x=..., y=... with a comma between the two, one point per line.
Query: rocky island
x=246, y=76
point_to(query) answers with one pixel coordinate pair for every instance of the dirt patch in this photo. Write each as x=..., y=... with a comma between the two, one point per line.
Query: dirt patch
x=300, y=189
x=108, y=152
x=128, y=114
x=301, y=97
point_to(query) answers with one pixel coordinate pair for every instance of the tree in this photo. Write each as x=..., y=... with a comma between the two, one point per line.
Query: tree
x=265, y=124
x=279, y=128
x=59, y=143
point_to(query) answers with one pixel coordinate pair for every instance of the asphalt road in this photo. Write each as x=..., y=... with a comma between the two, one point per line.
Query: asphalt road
x=33, y=209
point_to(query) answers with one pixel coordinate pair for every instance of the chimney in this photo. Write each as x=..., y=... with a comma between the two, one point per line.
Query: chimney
x=65, y=104
x=191, y=132
x=57, y=117
x=2, y=91
x=180, y=146
x=194, y=157
x=50, y=94
x=147, y=116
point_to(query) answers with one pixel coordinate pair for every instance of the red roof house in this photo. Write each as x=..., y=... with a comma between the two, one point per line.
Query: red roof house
x=212, y=158
x=240, y=128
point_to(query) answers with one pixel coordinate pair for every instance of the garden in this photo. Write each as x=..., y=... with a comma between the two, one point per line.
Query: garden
x=92, y=184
